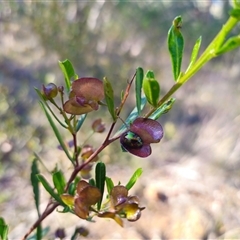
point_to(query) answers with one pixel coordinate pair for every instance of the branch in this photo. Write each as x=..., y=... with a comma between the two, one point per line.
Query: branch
x=49, y=209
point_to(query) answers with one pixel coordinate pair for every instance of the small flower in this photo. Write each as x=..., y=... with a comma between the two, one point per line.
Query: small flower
x=98, y=126
x=122, y=206
x=50, y=91
x=87, y=151
x=68, y=144
x=85, y=95
x=60, y=233
x=142, y=133
x=85, y=197
x=82, y=231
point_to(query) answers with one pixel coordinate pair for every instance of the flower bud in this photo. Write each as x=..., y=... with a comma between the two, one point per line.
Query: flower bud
x=60, y=233
x=87, y=151
x=98, y=126
x=61, y=89
x=50, y=91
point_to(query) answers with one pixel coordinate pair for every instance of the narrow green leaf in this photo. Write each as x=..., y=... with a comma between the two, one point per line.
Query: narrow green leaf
x=132, y=116
x=134, y=178
x=151, y=88
x=39, y=232
x=163, y=109
x=73, y=186
x=45, y=102
x=109, y=97
x=59, y=181
x=48, y=188
x=138, y=88
x=109, y=184
x=92, y=182
x=3, y=229
x=100, y=176
x=229, y=45
x=35, y=183
x=75, y=235
x=40, y=95
x=176, y=45
x=68, y=72
x=80, y=121
x=55, y=130
x=194, y=53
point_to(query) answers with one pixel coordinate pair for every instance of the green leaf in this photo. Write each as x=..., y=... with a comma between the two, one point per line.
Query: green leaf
x=68, y=72
x=176, y=45
x=151, y=88
x=109, y=184
x=35, y=183
x=48, y=188
x=55, y=130
x=194, y=53
x=39, y=232
x=163, y=109
x=109, y=97
x=134, y=178
x=80, y=121
x=100, y=176
x=229, y=45
x=138, y=88
x=59, y=181
x=3, y=229
x=92, y=182
x=132, y=116
x=73, y=186
x=44, y=102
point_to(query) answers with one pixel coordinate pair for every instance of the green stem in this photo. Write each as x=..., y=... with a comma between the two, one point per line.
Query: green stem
x=207, y=55
x=211, y=50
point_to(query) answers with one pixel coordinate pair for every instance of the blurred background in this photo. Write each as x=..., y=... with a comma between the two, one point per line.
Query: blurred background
x=191, y=183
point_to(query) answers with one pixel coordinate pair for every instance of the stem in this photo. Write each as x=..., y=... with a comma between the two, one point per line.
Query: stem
x=78, y=167
x=207, y=55
x=49, y=209
x=106, y=142
x=211, y=50
x=172, y=90
x=125, y=95
x=75, y=157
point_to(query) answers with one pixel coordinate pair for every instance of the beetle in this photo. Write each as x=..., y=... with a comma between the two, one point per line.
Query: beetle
x=132, y=140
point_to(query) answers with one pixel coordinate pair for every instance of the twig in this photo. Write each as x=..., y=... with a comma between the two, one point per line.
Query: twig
x=49, y=209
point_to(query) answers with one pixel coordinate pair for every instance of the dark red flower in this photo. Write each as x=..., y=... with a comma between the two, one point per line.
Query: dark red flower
x=142, y=132
x=85, y=95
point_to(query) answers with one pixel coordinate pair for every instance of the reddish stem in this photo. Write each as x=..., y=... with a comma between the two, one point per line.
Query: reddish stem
x=49, y=209
x=78, y=167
